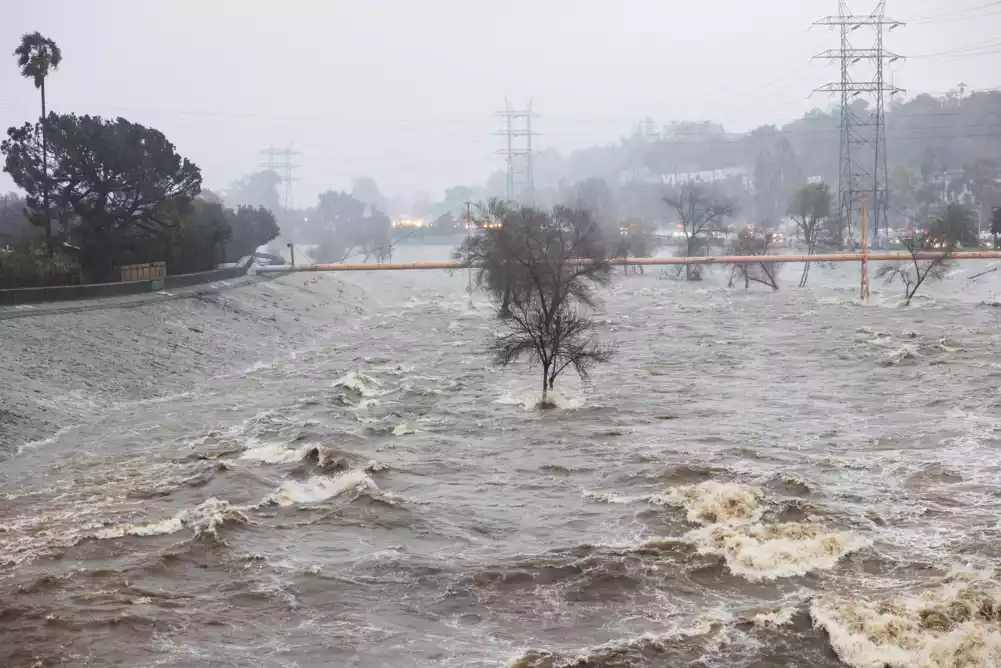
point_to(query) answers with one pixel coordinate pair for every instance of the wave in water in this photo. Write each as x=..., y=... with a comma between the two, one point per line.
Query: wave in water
x=769, y=551
x=731, y=513
x=364, y=385
x=317, y=489
x=206, y=518
x=958, y=626
x=532, y=399
x=278, y=453
x=634, y=650
x=712, y=502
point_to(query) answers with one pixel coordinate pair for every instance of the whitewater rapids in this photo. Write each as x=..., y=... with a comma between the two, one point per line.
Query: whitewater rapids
x=316, y=471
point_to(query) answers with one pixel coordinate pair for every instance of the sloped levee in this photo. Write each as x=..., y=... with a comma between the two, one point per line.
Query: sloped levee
x=62, y=368
x=64, y=293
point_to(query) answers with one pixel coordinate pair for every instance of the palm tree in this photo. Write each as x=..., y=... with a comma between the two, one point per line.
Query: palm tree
x=36, y=55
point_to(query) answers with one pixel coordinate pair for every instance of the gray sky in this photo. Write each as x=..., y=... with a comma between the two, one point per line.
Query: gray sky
x=405, y=90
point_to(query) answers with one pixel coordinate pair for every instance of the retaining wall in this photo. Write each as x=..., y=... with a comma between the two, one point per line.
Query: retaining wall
x=96, y=290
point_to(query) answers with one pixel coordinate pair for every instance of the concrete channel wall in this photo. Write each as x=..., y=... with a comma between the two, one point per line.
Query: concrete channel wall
x=63, y=293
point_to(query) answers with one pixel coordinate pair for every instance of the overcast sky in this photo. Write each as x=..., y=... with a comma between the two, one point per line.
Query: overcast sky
x=405, y=91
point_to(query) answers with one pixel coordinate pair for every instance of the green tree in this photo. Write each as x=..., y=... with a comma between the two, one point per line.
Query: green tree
x=36, y=56
x=810, y=207
x=114, y=176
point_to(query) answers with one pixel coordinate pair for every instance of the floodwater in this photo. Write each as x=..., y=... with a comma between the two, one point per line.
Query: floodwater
x=758, y=479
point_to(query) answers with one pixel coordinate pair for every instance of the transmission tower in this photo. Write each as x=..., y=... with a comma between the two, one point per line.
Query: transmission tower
x=518, y=153
x=283, y=168
x=863, y=141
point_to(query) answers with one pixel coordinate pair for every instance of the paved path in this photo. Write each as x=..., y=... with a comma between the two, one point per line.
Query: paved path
x=126, y=301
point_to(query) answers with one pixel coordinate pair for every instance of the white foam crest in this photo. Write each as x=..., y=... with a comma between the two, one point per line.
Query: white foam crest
x=712, y=502
x=275, y=453
x=957, y=626
x=531, y=400
x=207, y=517
x=770, y=551
x=402, y=429
x=30, y=445
x=360, y=383
x=776, y=618
x=320, y=488
x=610, y=497
x=904, y=352
x=258, y=366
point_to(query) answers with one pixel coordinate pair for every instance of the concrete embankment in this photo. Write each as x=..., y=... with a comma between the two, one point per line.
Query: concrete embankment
x=65, y=364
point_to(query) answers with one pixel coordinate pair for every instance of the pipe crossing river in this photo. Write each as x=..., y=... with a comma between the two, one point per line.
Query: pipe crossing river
x=653, y=261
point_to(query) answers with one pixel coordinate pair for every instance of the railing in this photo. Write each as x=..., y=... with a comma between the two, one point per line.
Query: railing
x=96, y=290
x=143, y=272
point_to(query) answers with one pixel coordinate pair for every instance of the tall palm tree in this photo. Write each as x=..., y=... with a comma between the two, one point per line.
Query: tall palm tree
x=36, y=55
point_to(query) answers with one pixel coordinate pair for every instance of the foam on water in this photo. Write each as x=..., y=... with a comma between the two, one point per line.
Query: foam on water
x=711, y=502
x=957, y=626
x=206, y=518
x=360, y=383
x=531, y=400
x=609, y=497
x=275, y=453
x=320, y=488
x=769, y=551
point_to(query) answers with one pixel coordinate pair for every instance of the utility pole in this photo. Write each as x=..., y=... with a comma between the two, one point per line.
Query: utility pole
x=864, y=240
x=469, y=269
x=518, y=158
x=862, y=162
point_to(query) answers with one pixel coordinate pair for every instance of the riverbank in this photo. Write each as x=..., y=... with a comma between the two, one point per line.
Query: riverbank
x=64, y=364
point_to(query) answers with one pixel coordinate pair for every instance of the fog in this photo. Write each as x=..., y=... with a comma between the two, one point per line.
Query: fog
x=407, y=92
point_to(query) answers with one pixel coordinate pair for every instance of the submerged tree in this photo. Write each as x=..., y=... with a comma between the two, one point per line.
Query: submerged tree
x=540, y=269
x=636, y=239
x=810, y=207
x=698, y=212
x=36, y=55
x=942, y=237
x=765, y=273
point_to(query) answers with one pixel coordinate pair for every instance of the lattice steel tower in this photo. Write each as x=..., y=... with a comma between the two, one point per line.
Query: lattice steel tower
x=518, y=126
x=863, y=140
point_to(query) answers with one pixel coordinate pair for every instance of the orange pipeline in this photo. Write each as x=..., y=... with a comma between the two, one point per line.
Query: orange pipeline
x=654, y=261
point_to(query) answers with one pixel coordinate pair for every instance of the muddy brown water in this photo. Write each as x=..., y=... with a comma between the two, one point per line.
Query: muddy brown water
x=750, y=473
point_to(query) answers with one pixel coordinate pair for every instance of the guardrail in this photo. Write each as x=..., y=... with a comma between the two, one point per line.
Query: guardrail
x=61, y=293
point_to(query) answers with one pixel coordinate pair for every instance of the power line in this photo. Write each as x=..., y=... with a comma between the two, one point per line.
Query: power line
x=973, y=47
x=958, y=18
x=935, y=17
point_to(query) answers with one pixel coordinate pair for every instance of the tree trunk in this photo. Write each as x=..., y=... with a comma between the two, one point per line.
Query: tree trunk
x=45, y=179
x=545, y=387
